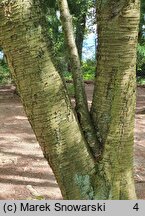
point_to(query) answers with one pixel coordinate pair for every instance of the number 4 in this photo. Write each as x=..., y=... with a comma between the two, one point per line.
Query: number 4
x=136, y=207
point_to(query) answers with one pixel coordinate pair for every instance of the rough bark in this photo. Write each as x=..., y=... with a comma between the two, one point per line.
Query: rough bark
x=113, y=107
x=45, y=100
x=80, y=96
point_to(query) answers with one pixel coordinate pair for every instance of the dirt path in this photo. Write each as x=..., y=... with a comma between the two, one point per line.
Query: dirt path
x=24, y=173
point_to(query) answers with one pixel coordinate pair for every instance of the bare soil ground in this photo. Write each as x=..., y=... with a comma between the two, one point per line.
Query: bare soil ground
x=24, y=173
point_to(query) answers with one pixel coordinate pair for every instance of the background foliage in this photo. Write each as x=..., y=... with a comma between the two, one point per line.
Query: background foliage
x=141, y=43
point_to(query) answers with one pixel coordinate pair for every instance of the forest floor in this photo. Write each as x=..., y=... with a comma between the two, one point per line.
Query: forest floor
x=24, y=173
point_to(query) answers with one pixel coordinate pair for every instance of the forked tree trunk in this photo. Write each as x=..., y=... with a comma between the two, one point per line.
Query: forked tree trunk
x=23, y=37
x=113, y=107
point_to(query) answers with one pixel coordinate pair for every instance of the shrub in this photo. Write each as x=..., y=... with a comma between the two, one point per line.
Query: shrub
x=5, y=77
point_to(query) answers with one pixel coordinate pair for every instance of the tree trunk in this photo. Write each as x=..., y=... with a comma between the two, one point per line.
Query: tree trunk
x=45, y=100
x=80, y=95
x=113, y=107
x=80, y=31
x=23, y=37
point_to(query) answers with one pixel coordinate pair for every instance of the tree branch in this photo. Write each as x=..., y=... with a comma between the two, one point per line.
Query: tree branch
x=80, y=96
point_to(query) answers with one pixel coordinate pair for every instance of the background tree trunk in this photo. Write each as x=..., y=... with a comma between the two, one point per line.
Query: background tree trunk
x=80, y=31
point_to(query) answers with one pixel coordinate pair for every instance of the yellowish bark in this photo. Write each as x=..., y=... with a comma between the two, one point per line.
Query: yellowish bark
x=80, y=95
x=113, y=107
x=23, y=35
